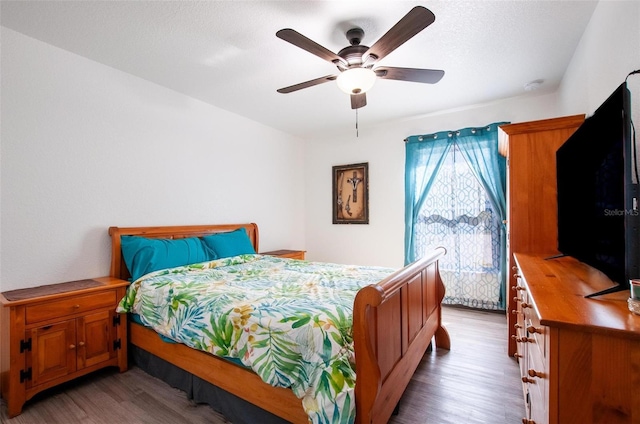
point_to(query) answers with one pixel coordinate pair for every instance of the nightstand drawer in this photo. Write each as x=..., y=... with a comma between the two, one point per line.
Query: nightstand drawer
x=69, y=306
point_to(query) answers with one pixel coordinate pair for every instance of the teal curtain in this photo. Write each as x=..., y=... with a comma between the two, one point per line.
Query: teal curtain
x=423, y=160
x=425, y=155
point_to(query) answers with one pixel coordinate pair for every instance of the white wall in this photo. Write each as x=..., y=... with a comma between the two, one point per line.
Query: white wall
x=85, y=147
x=609, y=50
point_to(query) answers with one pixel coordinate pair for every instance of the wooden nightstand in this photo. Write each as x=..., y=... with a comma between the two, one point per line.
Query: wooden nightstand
x=52, y=334
x=284, y=253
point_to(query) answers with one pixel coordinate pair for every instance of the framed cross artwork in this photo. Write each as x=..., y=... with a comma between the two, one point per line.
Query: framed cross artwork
x=351, y=194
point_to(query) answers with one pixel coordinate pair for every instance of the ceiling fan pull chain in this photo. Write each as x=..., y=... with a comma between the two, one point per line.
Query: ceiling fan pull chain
x=357, y=134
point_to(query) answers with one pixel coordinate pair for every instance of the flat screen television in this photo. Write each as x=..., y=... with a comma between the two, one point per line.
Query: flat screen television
x=597, y=182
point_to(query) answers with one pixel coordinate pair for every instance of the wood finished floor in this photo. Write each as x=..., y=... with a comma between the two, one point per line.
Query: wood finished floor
x=474, y=382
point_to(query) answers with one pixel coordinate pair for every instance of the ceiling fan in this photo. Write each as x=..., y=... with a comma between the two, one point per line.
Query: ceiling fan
x=356, y=62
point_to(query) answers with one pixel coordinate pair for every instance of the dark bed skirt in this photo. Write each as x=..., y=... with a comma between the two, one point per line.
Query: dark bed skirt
x=235, y=410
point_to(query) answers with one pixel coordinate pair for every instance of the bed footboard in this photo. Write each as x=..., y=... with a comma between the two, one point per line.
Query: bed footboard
x=394, y=322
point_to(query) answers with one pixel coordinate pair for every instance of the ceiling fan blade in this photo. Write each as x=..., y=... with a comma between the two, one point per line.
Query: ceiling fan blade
x=309, y=45
x=306, y=84
x=412, y=23
x=358, y=100
x=428, y=76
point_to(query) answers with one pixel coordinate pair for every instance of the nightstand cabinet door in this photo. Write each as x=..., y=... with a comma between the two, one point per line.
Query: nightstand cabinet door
x=53, y=352
x=95, y=338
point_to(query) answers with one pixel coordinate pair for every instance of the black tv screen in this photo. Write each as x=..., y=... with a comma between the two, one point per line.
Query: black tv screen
x=597, y=182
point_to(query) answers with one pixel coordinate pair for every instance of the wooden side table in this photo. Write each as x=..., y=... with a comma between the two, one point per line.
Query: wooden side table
x=284, y=253
x=55, y=333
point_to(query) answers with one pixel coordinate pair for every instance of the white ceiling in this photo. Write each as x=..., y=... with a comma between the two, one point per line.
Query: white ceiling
x=225, y=53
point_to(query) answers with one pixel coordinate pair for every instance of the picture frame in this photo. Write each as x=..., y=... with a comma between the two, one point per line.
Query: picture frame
x=350, y=196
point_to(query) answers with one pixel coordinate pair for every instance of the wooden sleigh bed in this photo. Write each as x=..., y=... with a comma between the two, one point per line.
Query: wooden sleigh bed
x=394, y=322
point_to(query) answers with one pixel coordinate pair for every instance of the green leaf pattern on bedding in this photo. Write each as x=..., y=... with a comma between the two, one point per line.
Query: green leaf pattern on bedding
x=288, y=320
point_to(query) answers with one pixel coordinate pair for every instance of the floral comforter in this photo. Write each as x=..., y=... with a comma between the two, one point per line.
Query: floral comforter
x=288, y=320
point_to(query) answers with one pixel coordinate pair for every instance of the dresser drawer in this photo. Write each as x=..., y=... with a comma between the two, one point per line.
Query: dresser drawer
x=537, y=332
x=70, y=305
x=537, y=387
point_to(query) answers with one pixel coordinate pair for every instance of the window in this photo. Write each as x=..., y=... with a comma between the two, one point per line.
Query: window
x=455, y=197
x=458, y=215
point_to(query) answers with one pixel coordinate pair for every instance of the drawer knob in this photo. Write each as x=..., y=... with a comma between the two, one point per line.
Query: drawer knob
x=516, y=275
x=71, y=347
x=76, y=306
x=517, y=355
x=534, y=373
x=80, y=344
x=517, y=288
x=517, y=326
x=532, y=329
x=528, y=380
x=516, y=299
x=526, y=305
x=528, y=421
x=522, y=339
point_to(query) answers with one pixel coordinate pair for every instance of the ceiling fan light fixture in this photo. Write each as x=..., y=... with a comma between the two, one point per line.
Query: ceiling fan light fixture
x=356, y=80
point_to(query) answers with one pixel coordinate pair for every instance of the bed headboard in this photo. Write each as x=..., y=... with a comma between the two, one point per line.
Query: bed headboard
x=118, y=266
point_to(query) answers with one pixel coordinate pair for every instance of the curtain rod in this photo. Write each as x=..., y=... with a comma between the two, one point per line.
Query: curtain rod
x=452, y=133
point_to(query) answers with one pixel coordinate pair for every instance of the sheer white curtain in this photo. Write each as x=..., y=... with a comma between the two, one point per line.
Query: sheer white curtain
x=458, y=215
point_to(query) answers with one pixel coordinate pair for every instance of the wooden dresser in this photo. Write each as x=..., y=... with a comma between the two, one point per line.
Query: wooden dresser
x=580, y=357
x=52, y=334
x=532, y=217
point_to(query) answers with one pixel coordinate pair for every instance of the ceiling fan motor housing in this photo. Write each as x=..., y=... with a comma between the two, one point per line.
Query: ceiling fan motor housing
x=353, y=54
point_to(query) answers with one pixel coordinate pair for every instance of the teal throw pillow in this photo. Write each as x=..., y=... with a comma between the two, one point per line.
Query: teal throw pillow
x=229, y=244
x=144, y=255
